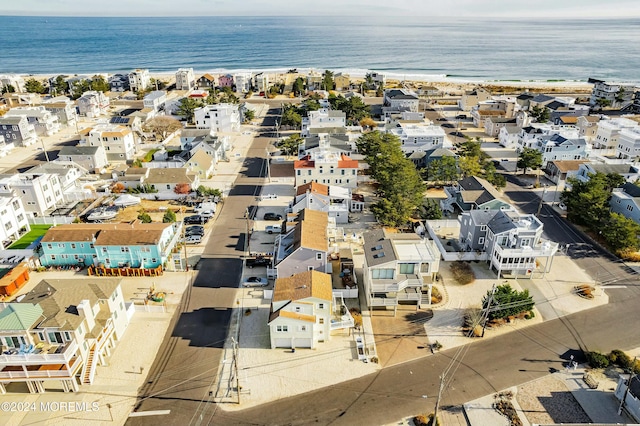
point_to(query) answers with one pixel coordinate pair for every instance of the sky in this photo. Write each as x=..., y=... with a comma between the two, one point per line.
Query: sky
x=354, y=8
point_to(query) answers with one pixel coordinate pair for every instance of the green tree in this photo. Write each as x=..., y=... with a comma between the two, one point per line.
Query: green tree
x=327, y=80
x=291, y=116
x=507, y=302
x=620, y=95
x=430, y=210
x=354, y=108
x=470, y=166
x=249, y=115
x=529, y=158
x=311, y=105
x=60, y=86
x=540, y=114
x=443, y=170
x=368, y=82
x=78, y=87
x=602, y=103
x=99, y=84
x=8, y=88
x=144, y=217
x=169, y=217
x=204, y=191
x=187, y=107
x=298, y=86
x=34, y=86
x=470, y=148
x=291, y=145
x=587, y=202
x=620, y=233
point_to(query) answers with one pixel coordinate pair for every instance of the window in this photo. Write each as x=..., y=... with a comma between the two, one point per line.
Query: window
x=124, y=249
x=154, y=260
x=67, y=336
x=303, y=328
x=41, y=336
x=309, y=268
x=320, y=305
x=282, y=328
x=320, y=320
x=481, y=240
x=104, y=249
x=407, y=268
x=73, y=245
x=382, y=274
x=483, y=228
x=20, y=217
x=319, y=256
x=525, y=242
x=630, y=208
x=8, y=225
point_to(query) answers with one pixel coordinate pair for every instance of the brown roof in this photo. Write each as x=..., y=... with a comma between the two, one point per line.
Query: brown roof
x=568, y=165
x=592, y=118
x=490, y=112
x=346, y=162
x=568, y=119
x=313, y=187
x=303, y=285
x=311, y=231
x=108, y=234
x=208, y=77
x=174, y=175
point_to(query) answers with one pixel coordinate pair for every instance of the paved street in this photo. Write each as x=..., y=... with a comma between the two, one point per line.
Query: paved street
x=184, y=373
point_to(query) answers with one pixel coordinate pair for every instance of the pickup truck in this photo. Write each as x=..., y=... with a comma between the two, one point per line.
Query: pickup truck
x=273, y=229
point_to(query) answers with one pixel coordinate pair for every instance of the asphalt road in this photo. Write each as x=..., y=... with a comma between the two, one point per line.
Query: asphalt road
x=185, y=370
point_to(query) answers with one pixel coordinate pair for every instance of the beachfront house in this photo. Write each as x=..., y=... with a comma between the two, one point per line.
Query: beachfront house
x=91, y=158
x=119, y=83
x=12, y=80
x=218, y=118
x=301, y=310
x=114, y=245
x=139, y=80
x=496, y=108
x=327, y=167
x=61, y=331
x=616, y=95
x=397, y=100
x=303, y=246
x=18, y=131
x=398, y=268
x=225, y=80
x=471, y=98
x=206, y=82
x=242, y=82
x=185, y=79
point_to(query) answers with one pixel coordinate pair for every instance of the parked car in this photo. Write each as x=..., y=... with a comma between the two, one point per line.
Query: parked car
x=194, y=230
x=461, y=116
x=272, y=216
x=207, y=214
x=273, y=229
x=257, y=261
x=269, y=197
x=193, y=239
x=195, y=219
x=255, y=282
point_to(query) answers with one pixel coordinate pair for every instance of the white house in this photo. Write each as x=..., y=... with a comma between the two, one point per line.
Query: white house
x=301, y=310
x=93, y=104
x=334, y=200
x=418, y=137
x=64, y=108
x=117, y=141
x=398, y=267
x=13, y=217
x=62, y=326
x=218, y=118
x=261, y=82
x=508, y=135
x=327, y=167
x=92, y=158
x=322, y=118
x=606, y=136
x=242, y=82
x=185, y=80
x=164, y=180
x=558, y=147
x=39, y=192
x=155, y=100
x=617, y=94
x=139, y=79
x=44, y=122
x=14, y=80
x=396, y=100
x=629, y=144
x=470, y=98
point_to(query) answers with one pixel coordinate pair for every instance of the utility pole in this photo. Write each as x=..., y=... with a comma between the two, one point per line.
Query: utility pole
x=247, y=236
x=435, y=410
x=268, y=164
x=486, y=313
x=184, y=243
x=544, y=192
x=626, y=391
x=235, y=367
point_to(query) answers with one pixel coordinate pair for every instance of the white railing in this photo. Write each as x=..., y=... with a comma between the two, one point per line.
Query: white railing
x=409, y=296
x=536, y=251
x=351, y=293
x=383, y=301
x=41, y=358
x=50, y=220
x=42, y=374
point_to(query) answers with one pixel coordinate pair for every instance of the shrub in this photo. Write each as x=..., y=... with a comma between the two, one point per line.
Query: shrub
x=425, y=420
x=630, y=255
x=597, y=360
x=357, y=319
x=620, y=359
x=530, y=315
x=144, y=217
x=462, y=272
x=436, y=297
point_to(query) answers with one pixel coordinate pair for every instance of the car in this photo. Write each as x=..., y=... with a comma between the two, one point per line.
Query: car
x=207, y=214
x=273, y=229
x=194, y=230
x=255, y=282
x=272, y=216
x=461, y=116
x=197, y=219
x=252, y=262
x=562, y=206
x=193, y=239
x=505, y=159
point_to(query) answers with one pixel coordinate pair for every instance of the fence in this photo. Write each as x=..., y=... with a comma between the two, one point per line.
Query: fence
x=50, y=220
x=433, y=225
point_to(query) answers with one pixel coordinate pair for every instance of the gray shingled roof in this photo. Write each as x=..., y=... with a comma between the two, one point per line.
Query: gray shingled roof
x=78, y=150
x=377, y=248
x=500, y=223
x=474, y=183
x=481, y=216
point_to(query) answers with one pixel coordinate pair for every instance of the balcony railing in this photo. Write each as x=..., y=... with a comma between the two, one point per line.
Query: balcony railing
x=63, y=355
x=400, y=283
x=383, y=301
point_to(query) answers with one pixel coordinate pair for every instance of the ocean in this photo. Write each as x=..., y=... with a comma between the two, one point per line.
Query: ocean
x=412, y=48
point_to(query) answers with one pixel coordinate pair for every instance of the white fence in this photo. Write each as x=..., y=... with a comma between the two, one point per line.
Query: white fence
x=50, y=220
x=450, y=256
x=351, y=293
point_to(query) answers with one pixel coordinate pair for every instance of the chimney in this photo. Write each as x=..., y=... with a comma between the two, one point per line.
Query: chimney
x=84, y=310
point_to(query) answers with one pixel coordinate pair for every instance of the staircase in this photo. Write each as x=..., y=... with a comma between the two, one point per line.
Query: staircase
x=89, y=366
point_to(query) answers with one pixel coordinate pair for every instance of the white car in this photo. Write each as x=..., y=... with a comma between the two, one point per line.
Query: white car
x=207, y=213
x=562, y=206
x=255, y=282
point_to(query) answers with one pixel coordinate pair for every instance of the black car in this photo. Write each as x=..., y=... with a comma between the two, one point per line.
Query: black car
x=272, y=216
x=197, y=219
x=194, y=230
x=257, y=261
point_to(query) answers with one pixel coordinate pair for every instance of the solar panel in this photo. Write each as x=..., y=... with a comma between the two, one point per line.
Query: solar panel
x=119, y=120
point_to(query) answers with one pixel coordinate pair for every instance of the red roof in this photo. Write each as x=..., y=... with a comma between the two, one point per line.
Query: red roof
x=347, y=163
x=304, y=163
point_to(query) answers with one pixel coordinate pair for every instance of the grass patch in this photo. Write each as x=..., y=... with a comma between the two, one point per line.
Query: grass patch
x=462, y=272
x=149, y=155
x=28, y=238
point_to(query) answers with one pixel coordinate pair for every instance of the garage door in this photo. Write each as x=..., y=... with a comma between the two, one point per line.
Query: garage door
x=302, y=343
x=283, y=342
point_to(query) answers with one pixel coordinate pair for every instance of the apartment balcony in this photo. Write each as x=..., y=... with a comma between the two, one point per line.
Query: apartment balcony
x=383, y=301
x=47, y=354
x=41, y=371
x=543, y=249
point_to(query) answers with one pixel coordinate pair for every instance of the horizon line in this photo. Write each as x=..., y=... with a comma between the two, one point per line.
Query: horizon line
x=472, y=17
